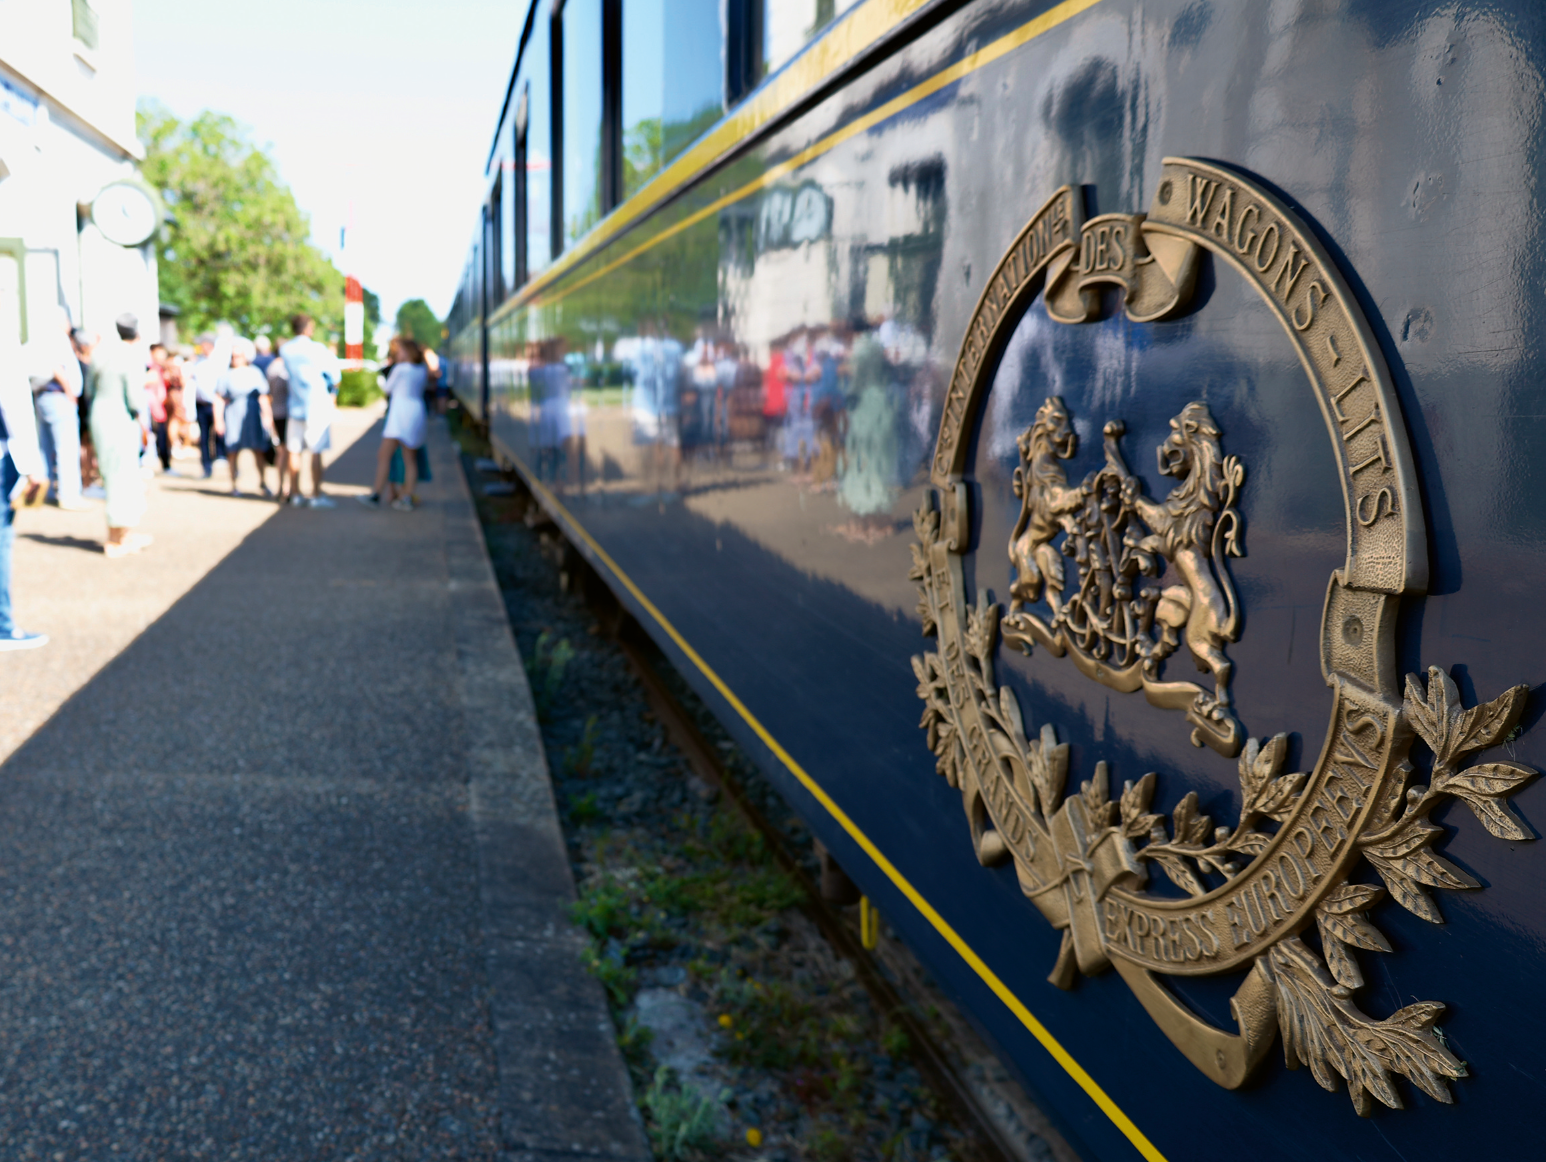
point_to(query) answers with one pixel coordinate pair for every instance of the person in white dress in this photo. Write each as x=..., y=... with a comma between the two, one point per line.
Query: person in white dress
x=243, y=412
x=405, y=422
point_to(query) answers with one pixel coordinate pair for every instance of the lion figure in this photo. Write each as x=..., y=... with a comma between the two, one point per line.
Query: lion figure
x=1045, y=497
x=1193, y=527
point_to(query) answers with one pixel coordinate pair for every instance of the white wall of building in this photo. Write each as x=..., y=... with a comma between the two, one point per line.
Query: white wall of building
x=66, y=131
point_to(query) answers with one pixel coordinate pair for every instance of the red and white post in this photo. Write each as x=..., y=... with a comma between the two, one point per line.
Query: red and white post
x=354, y=321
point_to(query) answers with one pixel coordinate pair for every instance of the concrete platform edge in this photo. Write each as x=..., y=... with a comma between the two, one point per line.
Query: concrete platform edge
x=563, y=1087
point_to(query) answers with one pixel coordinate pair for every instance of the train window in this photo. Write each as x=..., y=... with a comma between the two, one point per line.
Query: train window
x=644, y=86
x=499, y=272
x=789, y=25
x=743, y=48
x=578, y=32
x=537, y=94
x=668, y=106
x=520, y=193
x=479, y=302
x=611, y=104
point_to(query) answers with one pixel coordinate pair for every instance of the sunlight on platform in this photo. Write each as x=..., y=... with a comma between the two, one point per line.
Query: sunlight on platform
x=93, y=608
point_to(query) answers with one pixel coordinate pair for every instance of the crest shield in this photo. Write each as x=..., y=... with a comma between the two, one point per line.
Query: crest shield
x=1117, y=579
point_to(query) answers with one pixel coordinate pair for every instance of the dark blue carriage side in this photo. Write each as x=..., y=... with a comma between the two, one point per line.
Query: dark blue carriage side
x=719, y=346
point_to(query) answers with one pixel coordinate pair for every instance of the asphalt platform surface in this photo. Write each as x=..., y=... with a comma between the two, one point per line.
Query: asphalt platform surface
x=280, y=873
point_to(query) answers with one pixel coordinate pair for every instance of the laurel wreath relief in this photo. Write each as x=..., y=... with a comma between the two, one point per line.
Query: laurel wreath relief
x=1321, y=1025
x=1287, y=889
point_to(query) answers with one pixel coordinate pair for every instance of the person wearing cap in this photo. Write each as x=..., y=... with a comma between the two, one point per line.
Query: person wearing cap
x=242, y=416
x=117, y=390
x=213, y=362
x=21, y=460
x=263, y=357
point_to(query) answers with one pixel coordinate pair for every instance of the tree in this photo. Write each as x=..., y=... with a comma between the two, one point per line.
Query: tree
x=237, y=249
x=418, y=322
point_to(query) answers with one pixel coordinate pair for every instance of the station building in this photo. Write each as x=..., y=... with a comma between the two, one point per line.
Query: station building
x=77, y=224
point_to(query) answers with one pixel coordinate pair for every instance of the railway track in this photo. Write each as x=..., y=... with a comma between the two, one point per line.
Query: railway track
x=1004, y=1124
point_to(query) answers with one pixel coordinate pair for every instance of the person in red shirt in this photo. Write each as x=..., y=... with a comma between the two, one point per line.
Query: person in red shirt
x=155, y=395
x=774, y=400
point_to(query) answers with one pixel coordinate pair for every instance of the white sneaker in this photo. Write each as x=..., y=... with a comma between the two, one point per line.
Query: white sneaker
x=20, y=639
x=323, y=502
x=132, y=543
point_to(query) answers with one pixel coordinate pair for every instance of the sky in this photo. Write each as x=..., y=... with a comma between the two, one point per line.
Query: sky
x=388, y=104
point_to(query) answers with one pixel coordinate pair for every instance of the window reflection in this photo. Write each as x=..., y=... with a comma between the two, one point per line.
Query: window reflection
x=789, y=25
x=582, y=192
x=537, y=90
x=672, y=82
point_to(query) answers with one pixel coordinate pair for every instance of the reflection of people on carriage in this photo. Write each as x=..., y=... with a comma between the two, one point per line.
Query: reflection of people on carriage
x=724, y=385
x=559, y=450
x=828, y=375
x=775, y=402
x=700, y=386
x=799, y=434
x=741, y=381
x=656, y=365
x=871, y=470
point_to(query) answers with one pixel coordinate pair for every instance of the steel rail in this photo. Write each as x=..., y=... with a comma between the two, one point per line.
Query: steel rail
x=932, y=1062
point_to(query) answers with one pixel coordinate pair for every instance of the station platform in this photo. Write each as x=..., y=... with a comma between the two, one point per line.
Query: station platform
x=281, y=875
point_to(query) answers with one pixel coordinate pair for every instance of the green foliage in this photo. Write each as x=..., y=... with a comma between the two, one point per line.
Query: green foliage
x=580, y=760
x=634, y=1040
x=775, y=1024
x=682, y=132
x=372, y=320
x=642, y=155
x=609, y=967
x=682, y=1120
x=238, y=248
x=358, y=388
x=548, y=663
x=418, y=322
x=827, y=1144
x=603, y=908
x=585, y=809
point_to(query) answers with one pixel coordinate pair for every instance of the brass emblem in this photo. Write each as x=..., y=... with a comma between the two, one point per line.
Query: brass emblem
x=1115, y=620
x=1149, y=576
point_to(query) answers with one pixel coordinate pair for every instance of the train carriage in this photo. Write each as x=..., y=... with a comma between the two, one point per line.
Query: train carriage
x=1136, y=394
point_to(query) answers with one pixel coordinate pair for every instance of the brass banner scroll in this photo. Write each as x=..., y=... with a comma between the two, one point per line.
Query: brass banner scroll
x=1120, y=582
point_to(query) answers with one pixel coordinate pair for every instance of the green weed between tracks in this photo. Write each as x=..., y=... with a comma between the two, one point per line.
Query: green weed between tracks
x=679, y=895
x=709, y=889
x=683, y=1122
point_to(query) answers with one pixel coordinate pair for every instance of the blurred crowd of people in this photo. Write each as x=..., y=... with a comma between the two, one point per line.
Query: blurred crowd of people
x=84, y=419
x=846, y=406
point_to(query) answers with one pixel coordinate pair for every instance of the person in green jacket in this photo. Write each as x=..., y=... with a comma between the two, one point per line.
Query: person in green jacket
x=116, y=387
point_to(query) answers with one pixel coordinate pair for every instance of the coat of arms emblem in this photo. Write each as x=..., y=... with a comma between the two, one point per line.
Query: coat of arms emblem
x=1128, y=586
x=1113, y=614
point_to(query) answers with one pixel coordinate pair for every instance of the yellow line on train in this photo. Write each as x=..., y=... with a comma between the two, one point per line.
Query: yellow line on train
x=986, y=55
x=1012, y=1002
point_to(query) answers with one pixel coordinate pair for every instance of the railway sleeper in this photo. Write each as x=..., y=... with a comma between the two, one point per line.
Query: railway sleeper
x=948, y=1050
